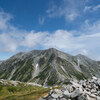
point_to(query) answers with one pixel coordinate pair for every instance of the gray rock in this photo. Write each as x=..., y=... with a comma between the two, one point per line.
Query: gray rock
x=98, y=93
x=76, y=93
x=66, y=94
x=90, y=98
x=81, y=97
x=54, y=95
x=58, y=92
x=83, y=90
x=98, y=98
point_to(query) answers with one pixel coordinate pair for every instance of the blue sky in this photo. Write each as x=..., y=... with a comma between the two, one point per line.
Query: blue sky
x=72, y=26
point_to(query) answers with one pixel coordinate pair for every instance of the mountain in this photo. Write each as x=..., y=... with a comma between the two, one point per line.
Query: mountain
x=0, y=62
x=48, y=67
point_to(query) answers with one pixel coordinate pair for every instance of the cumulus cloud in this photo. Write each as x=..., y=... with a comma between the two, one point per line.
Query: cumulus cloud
x=10, y=36
x=65, y=41
x=87, y=44
x=33, y=39
x=7, y=43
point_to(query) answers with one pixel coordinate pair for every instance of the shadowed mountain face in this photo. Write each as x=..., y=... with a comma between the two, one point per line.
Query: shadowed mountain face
x=48, y=67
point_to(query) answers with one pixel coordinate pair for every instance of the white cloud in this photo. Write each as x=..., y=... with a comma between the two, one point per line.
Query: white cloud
x=71, y=16
x=67, y=9
x=7, y=43
x=64, y=40
x=84, y=52
x=4, y=20
x=90, y=28
x=87, y=8
x=96, y=7
x=59, y=39
x=41, y=20
x=91, y=8
x=33, y=39
x=9, y=35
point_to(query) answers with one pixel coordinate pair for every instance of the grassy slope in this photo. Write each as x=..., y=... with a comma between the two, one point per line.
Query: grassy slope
x=22, y=92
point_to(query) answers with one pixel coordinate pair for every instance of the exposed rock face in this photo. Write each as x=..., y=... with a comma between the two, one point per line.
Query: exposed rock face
x=83, y=90
x=0, y=61
x=48, y=67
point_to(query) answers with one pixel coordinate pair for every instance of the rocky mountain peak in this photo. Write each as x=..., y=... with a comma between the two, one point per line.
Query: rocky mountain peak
x=51, y=50
x=48, y=67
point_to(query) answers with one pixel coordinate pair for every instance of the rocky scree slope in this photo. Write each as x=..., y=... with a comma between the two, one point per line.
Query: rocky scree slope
x=76, y=90
x=48, y=67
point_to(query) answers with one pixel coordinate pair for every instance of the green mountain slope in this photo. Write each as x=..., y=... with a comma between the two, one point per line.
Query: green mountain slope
x=48, y=67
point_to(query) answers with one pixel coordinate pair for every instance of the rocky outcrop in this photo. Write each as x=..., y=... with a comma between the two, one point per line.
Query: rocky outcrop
x=82, y=90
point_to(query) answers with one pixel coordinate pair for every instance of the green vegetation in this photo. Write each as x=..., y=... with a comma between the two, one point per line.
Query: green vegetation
x=24, y=71
x=6, y=73
x=51, y=57
x=22, y=92
x=42, y=61
x=72, y=72
x=48, y=71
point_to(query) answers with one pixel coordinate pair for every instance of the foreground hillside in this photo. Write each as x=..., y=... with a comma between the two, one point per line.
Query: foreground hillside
x=48, y=67
x=12, y=90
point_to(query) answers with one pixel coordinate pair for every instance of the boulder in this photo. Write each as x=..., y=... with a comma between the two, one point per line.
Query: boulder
x=66, y=94
x=98, y=93
x=81, y=97
x=98, y=98
x=76, y=93
x=58, y=92
x=95, y=78
x=55, y=96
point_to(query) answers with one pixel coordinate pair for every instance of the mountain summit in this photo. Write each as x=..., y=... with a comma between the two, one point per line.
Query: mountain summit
x=48, y=67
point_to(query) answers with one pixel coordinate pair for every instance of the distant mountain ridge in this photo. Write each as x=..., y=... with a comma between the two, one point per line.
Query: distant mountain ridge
x=48, y=67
